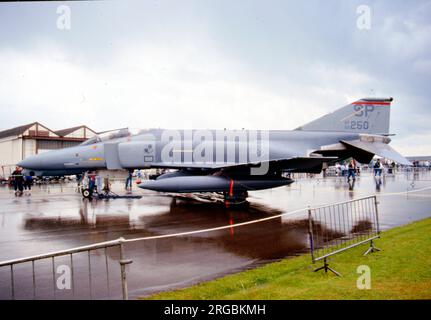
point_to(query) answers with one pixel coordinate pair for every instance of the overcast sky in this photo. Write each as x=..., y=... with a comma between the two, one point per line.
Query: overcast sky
x=215, y=64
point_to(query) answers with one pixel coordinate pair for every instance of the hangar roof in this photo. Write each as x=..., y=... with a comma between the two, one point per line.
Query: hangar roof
x=16, y=131
x=65, y=132
x=20, y=130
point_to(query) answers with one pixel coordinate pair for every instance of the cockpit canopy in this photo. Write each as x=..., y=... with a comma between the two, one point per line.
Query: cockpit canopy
x=111, y=135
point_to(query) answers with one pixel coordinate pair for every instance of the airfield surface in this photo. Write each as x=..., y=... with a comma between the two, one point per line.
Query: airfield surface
x=56, y=217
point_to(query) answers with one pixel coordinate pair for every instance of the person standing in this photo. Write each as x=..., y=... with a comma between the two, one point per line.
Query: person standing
x=377, y=168
x=324, y=169
x=352, y=171
x=18, y=180
x=92, y=182
x=129, y=180
x=99, y=184
x=337, y=169
x=28, y=182
x=343, y=170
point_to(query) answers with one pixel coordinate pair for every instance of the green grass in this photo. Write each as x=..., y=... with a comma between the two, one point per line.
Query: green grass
x=402, y=270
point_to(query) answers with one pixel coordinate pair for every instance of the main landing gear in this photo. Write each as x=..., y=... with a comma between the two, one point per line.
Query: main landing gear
x=237, y=198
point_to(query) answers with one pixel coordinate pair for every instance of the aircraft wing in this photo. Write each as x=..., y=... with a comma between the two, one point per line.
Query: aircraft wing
x=299, y=164
x=379, y=148
x=302, y=164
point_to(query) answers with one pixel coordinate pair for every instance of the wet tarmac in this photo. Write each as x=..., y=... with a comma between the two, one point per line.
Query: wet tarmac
x=55, y=217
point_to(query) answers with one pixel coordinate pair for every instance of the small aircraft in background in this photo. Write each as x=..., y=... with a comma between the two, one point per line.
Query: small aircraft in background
x=231, y=162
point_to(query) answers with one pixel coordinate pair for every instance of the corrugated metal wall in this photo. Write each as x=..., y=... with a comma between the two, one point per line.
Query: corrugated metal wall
x=10, y=151
x=54, y=145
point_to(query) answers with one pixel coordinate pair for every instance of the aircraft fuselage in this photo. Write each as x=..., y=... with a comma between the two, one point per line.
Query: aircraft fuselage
x=183, y=149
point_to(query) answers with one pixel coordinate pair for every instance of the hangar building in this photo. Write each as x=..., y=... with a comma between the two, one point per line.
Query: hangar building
x=420, y=160
x=34, y=138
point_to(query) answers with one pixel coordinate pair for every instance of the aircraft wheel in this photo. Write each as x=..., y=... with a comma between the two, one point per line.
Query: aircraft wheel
x=237, y=198
x=86, y=194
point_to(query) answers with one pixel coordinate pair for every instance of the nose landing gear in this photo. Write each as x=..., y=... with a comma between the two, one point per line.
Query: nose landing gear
x=87, y=193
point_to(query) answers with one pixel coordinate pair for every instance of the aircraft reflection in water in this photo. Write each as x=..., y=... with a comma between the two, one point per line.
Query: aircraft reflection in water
x=286, y=237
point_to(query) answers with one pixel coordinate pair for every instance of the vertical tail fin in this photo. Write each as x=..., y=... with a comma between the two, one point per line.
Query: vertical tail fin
x=368, y=115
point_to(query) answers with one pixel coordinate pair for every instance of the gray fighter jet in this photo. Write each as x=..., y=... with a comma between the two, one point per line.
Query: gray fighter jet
x=231, y=162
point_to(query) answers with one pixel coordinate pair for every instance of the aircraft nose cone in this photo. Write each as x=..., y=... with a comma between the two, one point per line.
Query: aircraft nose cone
x=31, y=162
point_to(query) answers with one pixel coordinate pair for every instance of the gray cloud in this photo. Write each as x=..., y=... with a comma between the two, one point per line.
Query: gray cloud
x=253, y=64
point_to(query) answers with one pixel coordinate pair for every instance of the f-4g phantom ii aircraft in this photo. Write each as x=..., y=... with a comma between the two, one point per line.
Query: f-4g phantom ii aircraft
x=231, y=162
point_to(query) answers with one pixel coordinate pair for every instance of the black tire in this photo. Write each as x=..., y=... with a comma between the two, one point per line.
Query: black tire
x=87, y=194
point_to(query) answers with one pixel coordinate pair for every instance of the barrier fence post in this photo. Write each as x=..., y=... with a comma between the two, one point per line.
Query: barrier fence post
x=123, y=263
x=310, y=232
x=376, y=204
x=372, y=248
x=326, y=267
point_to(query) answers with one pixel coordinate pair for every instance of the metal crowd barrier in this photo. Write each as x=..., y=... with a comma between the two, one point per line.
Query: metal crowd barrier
x=338, y=227
x=71, y=252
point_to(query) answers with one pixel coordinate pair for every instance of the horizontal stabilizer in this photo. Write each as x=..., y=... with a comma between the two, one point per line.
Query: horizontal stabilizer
x=379, y=148
x=304, y=164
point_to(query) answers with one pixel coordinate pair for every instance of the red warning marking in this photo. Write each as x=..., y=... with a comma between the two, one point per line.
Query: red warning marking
x=231, y=188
